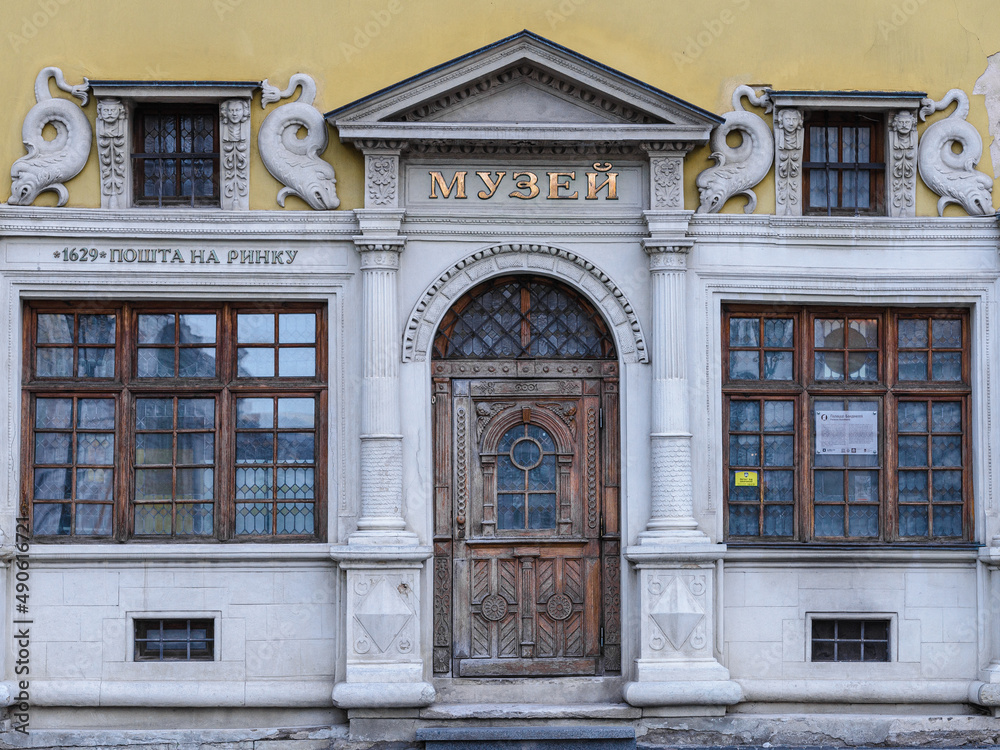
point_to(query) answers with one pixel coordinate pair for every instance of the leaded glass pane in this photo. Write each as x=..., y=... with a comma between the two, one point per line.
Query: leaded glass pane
x=295, y=518
x=777, y=365
x=299, y=362
x=296, y=328
x=93, y=519
x=55, y=328
x=197, y=328
x=778, y=520
x=829, y=520
x=542, y=511
x=744, y=365
x=156, y=329
x=913, y=520
x=947, y=520
x=55, y=362
x=155, y=363
x=913, y=333
x=743, y=520
x=514, y=317
x=197, y=362
x=744, y=332
x=744, y=416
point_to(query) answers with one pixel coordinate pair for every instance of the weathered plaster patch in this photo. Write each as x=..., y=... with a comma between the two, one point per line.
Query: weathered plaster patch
x=989, y=86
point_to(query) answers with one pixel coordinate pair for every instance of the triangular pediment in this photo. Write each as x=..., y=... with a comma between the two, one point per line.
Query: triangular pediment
x=526, y=88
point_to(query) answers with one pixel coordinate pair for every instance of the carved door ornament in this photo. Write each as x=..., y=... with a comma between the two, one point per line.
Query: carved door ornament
x=526, y=474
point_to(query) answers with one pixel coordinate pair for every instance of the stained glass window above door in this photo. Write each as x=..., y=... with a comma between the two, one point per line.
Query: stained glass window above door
x=525, y=317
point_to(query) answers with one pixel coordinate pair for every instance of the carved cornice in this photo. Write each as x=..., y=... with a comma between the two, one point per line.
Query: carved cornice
x=495, y=148
x=513, y=258
x=519, y=74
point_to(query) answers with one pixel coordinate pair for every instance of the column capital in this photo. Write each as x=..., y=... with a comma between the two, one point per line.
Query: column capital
x=665, y=255
x=379, y=254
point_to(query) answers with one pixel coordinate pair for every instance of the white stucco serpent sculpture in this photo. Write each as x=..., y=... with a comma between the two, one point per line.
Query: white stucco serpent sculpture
x=950, y=175
x=740, y=168
x=295, y=161
x=51, y=163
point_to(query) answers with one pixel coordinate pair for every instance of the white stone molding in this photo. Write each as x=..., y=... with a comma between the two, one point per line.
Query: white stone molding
x=672, y=515
x=234, y=137
x=738, y=168
x=51, y=163
x=951, y=175
x=788, y=143
x=902, y=164
x=112, y=152
x=578, y=272
x=295, y=162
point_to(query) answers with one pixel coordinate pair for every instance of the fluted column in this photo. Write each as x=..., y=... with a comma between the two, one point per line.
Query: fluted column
x=672, y=514
x=381, y=438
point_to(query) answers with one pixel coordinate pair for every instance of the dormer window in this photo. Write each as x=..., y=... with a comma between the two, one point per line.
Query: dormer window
x=175, y=161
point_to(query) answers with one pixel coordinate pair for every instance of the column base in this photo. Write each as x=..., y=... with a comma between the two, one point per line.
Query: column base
x=383, y=537
x=383, y=694
x=691, y=698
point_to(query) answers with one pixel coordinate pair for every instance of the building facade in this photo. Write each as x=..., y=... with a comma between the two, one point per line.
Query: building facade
x=649, y=391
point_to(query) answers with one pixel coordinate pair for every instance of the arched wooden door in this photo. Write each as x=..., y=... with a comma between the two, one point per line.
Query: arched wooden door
x=526, y=568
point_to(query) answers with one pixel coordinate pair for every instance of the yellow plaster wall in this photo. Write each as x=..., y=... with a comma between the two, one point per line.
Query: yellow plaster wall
x=699, y=51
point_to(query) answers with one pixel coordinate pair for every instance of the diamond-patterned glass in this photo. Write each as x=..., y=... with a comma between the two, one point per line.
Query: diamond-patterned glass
x=515, y=317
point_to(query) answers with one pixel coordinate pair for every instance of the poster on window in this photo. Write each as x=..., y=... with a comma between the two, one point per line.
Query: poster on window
x=846, y=432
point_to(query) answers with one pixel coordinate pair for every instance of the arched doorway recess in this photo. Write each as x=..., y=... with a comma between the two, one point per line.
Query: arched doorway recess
x=526, y=473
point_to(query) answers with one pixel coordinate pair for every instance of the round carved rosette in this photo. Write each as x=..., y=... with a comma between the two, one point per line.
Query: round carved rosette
x=559, y=607
x=494, y=607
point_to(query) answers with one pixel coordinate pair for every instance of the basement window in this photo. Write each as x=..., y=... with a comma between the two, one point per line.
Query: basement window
x=850, y=640
x=175, y=640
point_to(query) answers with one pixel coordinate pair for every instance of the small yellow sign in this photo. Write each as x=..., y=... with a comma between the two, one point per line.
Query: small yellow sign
x=746, y=478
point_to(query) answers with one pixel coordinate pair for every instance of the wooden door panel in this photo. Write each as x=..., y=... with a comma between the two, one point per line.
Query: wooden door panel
x=526, y=601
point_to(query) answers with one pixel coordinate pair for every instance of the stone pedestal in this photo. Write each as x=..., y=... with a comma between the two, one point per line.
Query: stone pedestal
x=985, y=691
x=382, y=634
x=677, y=672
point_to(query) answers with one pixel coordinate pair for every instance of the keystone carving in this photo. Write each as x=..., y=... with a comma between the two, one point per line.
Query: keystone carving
x=51, y=163
x=295, y=162
x=952, y=175
x=738, y=168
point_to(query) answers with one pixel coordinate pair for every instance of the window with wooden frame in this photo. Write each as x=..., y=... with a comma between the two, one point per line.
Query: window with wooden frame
x=175, y=155
x=182, y=421
x=847, y=424
x=844, y=166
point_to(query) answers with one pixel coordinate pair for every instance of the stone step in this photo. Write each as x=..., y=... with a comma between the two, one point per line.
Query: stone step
x=528, y=738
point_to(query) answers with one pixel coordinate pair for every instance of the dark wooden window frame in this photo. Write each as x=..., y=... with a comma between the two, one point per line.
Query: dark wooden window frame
x=125, y=387
x=871, y=645
x=139, y=155
x=803, y=389
x=875, y=168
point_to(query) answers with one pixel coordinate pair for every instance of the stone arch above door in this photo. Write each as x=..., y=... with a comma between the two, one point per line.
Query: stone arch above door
x=522, y=257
